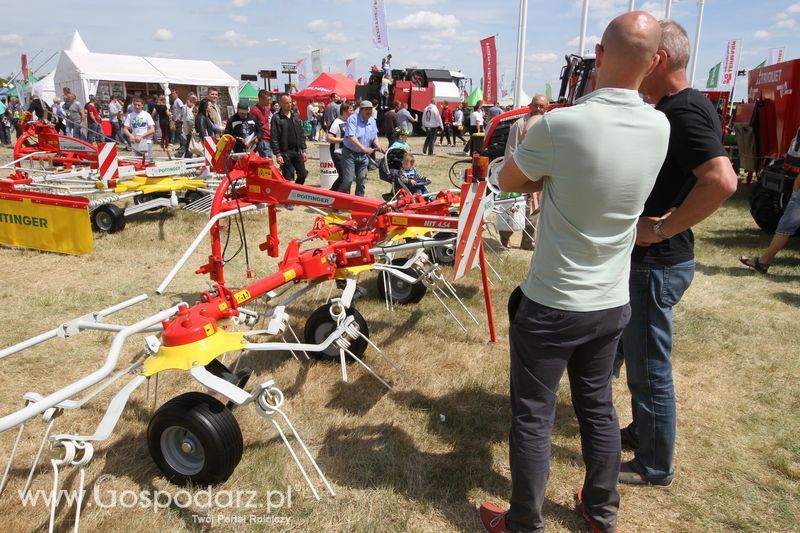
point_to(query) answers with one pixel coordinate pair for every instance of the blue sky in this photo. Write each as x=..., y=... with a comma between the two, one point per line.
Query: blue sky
x=243, y=36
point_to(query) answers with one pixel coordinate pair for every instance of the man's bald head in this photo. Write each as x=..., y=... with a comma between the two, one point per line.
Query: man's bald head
x=538, y=104
x=628, y=49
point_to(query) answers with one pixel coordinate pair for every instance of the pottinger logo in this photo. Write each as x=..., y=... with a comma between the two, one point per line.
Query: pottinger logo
x=310, y=198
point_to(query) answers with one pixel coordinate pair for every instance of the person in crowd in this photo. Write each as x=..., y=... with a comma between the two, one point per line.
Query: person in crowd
x=383, y=92
x=458, y=124
x=313, y=120
x=94, y=121
x=401, y=140
x=447, y=120
x=375, y=110
x=176, y=107
x=790, y=220
x=244, y=126
x=289, y=141
x=386, y=65
x=494, y=111
x=203, y=124
x=360, y=141
x=476, y=125
x=407, y=120
x=431, y=123
x=390, y=122
x=114, y=116
x=39, y=110
x=335, y=137
x=331, y=112
x=569, y=312
x=274, y=108
x=16, y=115
x=57, y=116
x=261, y=112
x=163, y=116
x=187, y=126
x=139, y=129
x=408, y=176
x=516, y=133
x=5, y=123
x=214, y=112
x=75, y=115
x=696, y=179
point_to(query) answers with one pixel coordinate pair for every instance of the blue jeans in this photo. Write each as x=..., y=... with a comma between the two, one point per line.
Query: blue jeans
x=354, y=165
x=790, y=220
x=647, y=344
x=264, y=149
x=95, y=133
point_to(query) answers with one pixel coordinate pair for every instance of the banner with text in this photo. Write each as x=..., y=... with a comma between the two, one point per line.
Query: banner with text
x=775, y=55
x=731, y=63
x=489, y=52
x=379, y=36
x=302, y=78
x=713, y=76
x=350, y=68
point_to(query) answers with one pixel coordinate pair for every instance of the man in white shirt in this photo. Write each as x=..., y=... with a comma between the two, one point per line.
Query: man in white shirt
x=595, y=163
x=139, y=129
x=177, y=114
x=431, y=122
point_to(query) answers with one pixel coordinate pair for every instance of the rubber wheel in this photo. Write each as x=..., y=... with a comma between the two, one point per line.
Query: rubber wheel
x=193, y=438
x=192, y=196
x=444, y=256
x=765, y=207
x=320, y=324
x=108, y=218
x=402, y=292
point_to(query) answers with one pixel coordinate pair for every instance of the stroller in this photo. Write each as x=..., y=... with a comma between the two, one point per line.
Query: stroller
x=390, y=170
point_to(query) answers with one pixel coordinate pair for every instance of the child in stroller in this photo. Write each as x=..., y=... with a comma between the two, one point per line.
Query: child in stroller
x=397, y=168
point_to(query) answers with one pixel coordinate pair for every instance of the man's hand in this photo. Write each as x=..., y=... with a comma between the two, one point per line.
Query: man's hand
x=645, y=235
x=305, y=157
x=279, y=159
x=369, y=151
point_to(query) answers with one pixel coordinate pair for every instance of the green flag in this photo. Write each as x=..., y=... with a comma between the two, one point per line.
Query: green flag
x=548, y=92
x=475, y=95
x=713, y=76
x=762, y=64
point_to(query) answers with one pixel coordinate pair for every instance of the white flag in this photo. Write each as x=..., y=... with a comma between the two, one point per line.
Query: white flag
x=316, y=63
x=731, y=63
x=775, y=56
x=379, y=36
x=302, y=80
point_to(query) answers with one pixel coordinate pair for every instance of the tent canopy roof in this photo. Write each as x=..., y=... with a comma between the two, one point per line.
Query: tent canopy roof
x=327, y=83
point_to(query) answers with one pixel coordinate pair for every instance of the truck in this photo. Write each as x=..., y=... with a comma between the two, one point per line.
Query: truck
x=765, y=127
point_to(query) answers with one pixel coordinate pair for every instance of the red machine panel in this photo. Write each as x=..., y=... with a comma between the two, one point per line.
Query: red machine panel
x=779, y=109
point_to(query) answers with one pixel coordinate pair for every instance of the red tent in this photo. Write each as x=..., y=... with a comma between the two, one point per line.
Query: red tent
x=321, y=88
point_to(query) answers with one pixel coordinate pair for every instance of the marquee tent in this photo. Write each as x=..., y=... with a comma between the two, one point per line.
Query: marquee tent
x=321, y=88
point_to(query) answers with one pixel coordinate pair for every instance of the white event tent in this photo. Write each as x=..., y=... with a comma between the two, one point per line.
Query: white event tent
x=84, y=72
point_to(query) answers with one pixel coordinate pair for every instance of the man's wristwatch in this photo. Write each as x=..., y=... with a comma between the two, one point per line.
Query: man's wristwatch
x=658, y=231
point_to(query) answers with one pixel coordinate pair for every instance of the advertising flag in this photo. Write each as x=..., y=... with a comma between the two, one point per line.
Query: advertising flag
x=775, y=55
x=316, y=63
x=731, y=63
x=713, y=76
x=379, y=36
x=302, y=78
x=761, y=65
x=25, y=68
x=489, y=52
x=350, y=67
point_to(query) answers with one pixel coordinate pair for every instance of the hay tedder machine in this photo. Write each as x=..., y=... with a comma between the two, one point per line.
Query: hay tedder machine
x=194, y=437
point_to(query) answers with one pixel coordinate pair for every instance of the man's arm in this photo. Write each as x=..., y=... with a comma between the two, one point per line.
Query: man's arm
x=512, y=179
x=716, y=181
x=357, y=144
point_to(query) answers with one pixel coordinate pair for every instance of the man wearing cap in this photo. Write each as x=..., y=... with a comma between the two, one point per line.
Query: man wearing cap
x=244, y=127
x=360, y=141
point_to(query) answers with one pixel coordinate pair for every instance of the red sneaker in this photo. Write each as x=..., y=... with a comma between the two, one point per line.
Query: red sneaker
x=593, y=527
x=493, y=518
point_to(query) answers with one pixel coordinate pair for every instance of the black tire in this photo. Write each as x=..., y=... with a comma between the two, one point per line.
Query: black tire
x=210, y=433
x=765, y=207
x=192, y=196
x=108, y=218
x=320, y=324
x=402, y=293
x=443, y=255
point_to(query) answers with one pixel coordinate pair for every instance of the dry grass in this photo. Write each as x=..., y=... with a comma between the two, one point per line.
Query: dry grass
x=395, y=462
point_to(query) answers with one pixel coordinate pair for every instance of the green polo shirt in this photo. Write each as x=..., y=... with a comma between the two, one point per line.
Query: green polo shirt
x=599, y=160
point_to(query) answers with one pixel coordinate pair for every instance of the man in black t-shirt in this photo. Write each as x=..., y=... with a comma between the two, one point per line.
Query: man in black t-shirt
x=696, y=178
x=245, y=127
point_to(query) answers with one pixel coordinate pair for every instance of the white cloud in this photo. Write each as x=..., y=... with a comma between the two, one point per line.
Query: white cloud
x=591, y=40
x=10, y=39
x=786, y=23
x=316, y=25
x=336, y=38
x=240, y=19
x=240, y=3
x=761, y=34
x=436, y=46
x=794, y=8
x=163, y=34
x=426, y=20
x=237, y=39
x=542, y=57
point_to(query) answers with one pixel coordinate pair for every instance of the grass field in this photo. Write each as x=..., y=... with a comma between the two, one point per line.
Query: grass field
x=424, y=456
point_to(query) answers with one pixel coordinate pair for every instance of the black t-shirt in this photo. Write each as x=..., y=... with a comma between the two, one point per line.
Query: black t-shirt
x=695, y=137
x=161, y=112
